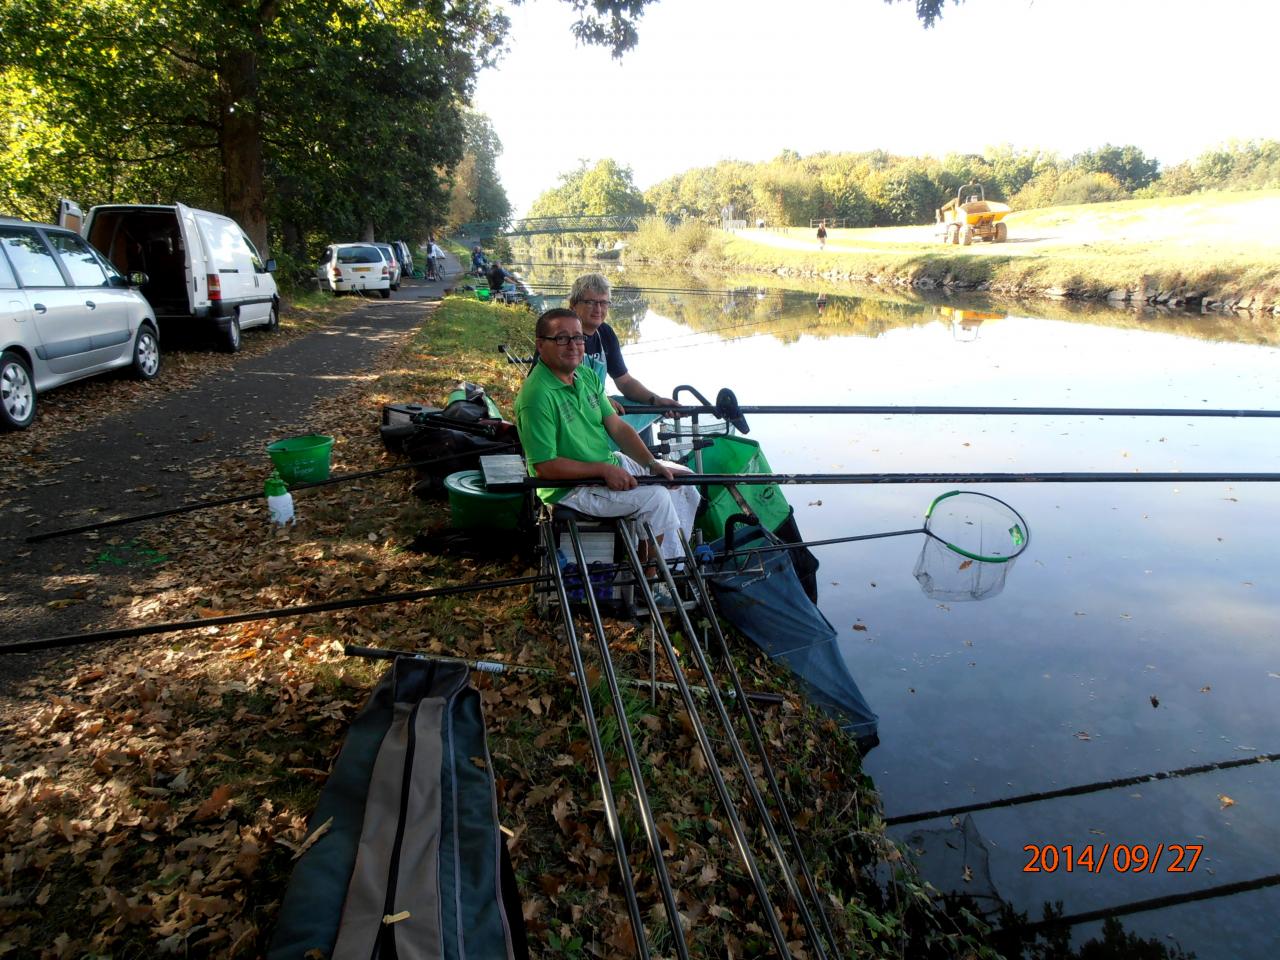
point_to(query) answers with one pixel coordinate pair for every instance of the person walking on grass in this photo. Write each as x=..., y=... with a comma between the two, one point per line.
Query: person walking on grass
x=822, y=234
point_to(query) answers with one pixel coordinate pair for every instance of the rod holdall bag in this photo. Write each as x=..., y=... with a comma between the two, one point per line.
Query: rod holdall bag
x=406, y=855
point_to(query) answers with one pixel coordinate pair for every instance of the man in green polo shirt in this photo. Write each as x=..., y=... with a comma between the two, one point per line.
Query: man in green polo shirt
x=566, y=421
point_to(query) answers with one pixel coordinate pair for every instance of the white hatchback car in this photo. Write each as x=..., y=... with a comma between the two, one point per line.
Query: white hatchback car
x=350, y=267
x=65, y=313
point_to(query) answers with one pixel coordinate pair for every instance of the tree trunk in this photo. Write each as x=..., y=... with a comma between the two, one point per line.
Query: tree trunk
x=240, y=143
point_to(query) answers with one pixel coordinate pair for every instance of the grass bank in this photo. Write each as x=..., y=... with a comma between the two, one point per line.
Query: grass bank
x=155, y=793
x=1216, y=251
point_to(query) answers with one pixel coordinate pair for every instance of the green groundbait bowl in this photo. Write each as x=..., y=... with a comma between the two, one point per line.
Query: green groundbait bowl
x=483, y=293
x=473, y=507
x=302, y=459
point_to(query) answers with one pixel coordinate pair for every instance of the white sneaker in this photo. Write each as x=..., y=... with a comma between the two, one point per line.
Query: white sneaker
x=663, y=600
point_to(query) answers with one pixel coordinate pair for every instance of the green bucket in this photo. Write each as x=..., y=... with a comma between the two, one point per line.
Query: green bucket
x=302, y=459
x=483, y=293
x=473, y=507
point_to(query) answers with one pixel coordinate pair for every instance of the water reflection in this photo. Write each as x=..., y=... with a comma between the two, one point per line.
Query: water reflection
x=787, y=308
x=1137, y=635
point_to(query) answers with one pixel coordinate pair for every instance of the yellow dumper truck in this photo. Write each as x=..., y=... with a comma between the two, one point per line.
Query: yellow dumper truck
x=970, y=215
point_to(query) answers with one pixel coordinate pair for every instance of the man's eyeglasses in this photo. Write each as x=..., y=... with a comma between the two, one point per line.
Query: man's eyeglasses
x=564, y=339
x=602, y=304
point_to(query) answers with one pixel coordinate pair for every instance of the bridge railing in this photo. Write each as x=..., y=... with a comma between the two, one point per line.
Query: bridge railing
x=623, y=223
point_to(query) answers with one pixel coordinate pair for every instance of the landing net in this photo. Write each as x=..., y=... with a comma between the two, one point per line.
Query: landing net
x=971, y=542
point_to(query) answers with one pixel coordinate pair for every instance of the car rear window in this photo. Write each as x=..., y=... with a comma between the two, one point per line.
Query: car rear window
x=359, y=255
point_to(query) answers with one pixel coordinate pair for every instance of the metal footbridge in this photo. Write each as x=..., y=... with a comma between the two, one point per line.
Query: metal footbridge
x=622, y=223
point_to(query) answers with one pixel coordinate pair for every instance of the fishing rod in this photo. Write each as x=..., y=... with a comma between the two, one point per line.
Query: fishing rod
x=726, y=411
x=763, y=697
x=699, y=728
x=612, y=820
x=277, y=613
x=1154, y=903
x=1078, y=790
x=507, y=485
x=652, y=836
x=757, y=742
x=241, y=498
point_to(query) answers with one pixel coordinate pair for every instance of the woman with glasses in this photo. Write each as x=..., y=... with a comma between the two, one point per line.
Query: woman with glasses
x=589, y=299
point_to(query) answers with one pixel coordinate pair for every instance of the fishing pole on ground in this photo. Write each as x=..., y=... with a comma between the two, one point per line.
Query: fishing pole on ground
x=628, y=744
x=695, y=721
x=612, y=821
x=762, y=697
x=1153, y=903
x=242, y=498
x=757, y=741
x=1078, y=790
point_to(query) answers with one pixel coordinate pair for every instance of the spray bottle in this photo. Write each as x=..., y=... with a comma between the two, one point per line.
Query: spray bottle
x=279, y=500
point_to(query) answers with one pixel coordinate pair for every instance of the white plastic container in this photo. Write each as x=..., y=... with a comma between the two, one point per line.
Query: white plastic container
x=279, y=500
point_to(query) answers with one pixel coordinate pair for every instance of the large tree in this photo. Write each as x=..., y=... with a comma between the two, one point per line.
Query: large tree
x=340, y=98
x=605, y=189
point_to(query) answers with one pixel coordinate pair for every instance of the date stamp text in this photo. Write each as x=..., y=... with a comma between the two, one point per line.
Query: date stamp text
x=1117, y=858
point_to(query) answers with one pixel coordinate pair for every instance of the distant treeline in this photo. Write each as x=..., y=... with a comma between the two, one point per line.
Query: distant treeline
x=882, y=189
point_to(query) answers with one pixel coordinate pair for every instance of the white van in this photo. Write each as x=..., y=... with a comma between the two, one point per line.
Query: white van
x=199, y=265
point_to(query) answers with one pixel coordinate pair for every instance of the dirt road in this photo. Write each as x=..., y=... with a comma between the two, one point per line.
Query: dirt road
x=156, y=454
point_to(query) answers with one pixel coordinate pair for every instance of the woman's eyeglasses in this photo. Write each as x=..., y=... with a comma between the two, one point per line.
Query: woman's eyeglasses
x=598, y=304
x=564, y=339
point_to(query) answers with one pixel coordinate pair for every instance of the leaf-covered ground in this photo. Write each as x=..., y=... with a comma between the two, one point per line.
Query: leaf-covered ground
x=154, y=795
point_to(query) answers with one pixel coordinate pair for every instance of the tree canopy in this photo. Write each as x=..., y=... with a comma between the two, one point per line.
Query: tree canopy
x=329, y=114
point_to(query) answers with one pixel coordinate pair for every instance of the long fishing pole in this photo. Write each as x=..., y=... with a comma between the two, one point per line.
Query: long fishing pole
x=602, y=762
x=239, y=498
x=718, y=410
x=699, y=728
x=629, y=748
x=757, y=742
x=763, y=697
x=856, y=479
x=277, y=613
x=1154, y=903
x=1077, y=790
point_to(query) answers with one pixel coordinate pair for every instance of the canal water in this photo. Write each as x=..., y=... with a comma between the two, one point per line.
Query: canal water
x=1139, y=633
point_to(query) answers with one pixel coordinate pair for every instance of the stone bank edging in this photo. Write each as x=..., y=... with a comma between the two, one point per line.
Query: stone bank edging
x=1143, y=293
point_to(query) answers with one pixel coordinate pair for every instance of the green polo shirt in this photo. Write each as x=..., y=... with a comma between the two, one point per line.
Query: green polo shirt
x=556, y=419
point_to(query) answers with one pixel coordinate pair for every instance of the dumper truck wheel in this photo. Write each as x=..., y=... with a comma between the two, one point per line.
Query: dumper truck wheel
x=966, y=235
x=1002, y=233
x=953, y=233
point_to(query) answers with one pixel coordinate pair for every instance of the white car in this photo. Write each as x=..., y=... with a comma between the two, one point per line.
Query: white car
x=65, y=313
x=352, y=267
x=201, y=267
x=389, y=253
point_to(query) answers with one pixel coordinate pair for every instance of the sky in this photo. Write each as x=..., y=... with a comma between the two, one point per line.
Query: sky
x=745, y=79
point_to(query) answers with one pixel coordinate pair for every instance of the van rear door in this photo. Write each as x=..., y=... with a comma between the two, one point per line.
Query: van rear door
x=69, y=215
x=197, y=265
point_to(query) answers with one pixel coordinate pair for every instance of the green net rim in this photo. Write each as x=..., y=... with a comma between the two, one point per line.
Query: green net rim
x=1018, y=530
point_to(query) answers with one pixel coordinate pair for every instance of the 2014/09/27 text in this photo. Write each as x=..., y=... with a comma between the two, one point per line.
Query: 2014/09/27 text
x=1121, y=857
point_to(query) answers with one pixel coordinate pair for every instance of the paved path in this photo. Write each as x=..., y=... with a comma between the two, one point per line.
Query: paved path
x=163, y=446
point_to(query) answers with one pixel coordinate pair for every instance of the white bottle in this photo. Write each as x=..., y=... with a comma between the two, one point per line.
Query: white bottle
x=279, y=500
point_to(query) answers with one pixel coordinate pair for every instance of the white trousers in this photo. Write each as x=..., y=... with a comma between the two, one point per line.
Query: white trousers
x=667, y=510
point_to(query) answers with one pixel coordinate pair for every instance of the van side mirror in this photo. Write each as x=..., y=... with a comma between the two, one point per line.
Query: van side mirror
x=271, y=265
